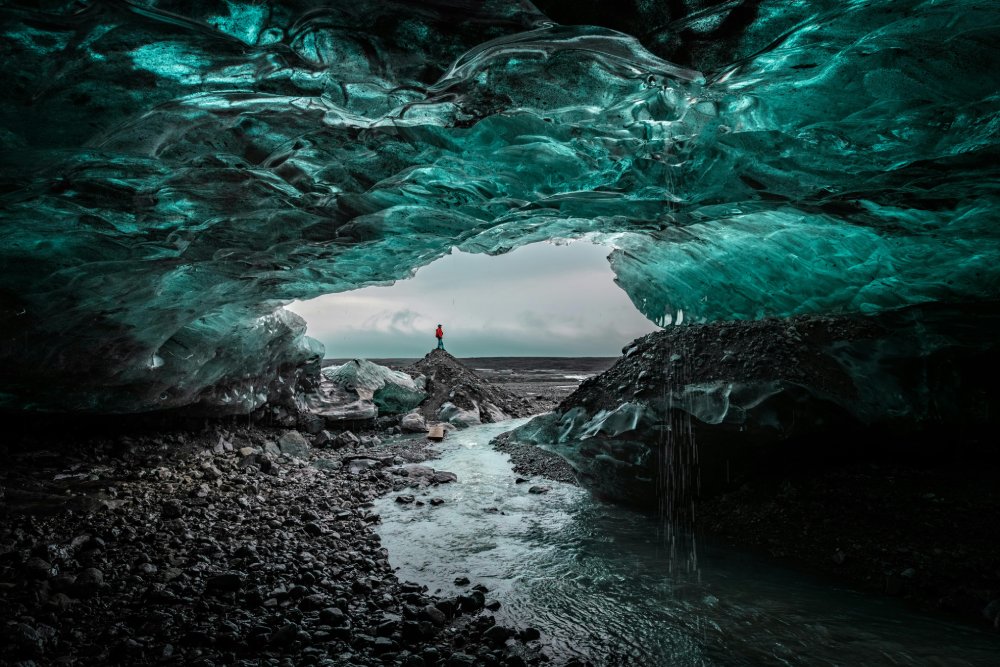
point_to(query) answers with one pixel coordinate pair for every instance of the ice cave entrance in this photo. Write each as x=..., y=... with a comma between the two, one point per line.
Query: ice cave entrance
x=553, y=299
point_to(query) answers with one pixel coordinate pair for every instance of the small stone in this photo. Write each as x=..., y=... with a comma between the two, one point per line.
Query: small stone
x=404, y=500
x=462, y=581
x=332, y=616
x=437, y=501
x=539, y=489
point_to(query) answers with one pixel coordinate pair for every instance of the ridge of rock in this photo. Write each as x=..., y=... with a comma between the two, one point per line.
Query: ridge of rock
x=457, y=394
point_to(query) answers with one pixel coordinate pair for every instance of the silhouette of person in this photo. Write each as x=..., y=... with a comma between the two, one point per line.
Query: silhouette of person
x=439, y=334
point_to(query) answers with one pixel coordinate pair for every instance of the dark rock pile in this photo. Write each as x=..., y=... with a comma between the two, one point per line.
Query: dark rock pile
x=457, y=394
x=242, y=546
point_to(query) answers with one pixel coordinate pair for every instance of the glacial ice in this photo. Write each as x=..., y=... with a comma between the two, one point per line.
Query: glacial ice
x=392, y=391
x=173, y=173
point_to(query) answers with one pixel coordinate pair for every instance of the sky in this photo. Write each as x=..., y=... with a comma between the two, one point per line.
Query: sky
x=543, y=299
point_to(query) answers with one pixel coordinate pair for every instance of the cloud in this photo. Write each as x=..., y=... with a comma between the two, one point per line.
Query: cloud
x=542, y=300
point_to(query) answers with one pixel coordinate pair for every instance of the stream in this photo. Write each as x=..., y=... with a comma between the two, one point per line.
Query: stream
x=601, y=584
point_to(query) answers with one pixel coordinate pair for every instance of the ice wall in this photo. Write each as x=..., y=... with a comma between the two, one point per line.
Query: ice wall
x=173, y=172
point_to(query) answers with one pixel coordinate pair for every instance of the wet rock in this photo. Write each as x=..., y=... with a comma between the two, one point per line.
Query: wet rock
x=498, y=634
x=433, y=614
x=293, y=444
x=539, y=489
x=461, y=660
x=472, y=601
x=462, y=581
x=443, y=477
x=404, y=500
x=327, y=464
x=529, y=634
x=437, y=501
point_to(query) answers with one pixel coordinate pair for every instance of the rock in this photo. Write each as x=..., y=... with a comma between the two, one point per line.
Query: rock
x=370, y=441
x=472, y=601
x=413, y=423
x=248, y=457
x=433, y=614
x=272, y=449
x=442, y=477
x=498, y=634
x=322, y=439
x=356, y=466
x=310, y=423
x=89, y=582
x=437, y=501
x=227, y=582
x=539, y=489
x=171, y=509
x=39, y=568
x=493, y=605
x=285, y=635
x=404, y=500
x=327, y=464
x=462, y=581
x=313, y=529
x=333, y=616
x=529, y=634
x=384, y=645
x=293, y=444
x=210, y=471
x=346, y=439
x=461, y=660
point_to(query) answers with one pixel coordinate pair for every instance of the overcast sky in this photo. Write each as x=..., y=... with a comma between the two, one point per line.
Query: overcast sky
x=539, y=300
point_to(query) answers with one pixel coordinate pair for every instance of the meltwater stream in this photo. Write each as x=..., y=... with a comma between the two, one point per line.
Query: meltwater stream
x=597, y=580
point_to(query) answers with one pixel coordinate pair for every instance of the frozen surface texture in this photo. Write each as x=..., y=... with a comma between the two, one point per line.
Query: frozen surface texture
x=392, y=391
x=173, y=172
x=702, y=405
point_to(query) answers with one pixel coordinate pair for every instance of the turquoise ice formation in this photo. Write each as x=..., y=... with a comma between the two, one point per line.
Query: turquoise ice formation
x=393, y=392
x=173, y=173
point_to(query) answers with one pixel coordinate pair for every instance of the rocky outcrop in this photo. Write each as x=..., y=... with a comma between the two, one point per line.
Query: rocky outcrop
x=455, y=394
x=696, y=408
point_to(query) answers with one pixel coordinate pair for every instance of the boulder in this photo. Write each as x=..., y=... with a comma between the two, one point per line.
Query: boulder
x=413, y=423
x=292, y=443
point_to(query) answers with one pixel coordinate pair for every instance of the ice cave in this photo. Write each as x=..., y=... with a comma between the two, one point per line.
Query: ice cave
x=803, y=196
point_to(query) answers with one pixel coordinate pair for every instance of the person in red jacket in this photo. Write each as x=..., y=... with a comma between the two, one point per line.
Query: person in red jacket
x=439, y=334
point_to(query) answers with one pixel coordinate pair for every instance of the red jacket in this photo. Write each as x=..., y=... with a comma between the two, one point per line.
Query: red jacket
x=439, y=333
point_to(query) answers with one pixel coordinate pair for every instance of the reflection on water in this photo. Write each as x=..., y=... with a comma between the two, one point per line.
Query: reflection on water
x=596, y=579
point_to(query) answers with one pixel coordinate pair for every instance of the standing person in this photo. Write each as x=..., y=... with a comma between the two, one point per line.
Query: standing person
x=439, y=334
